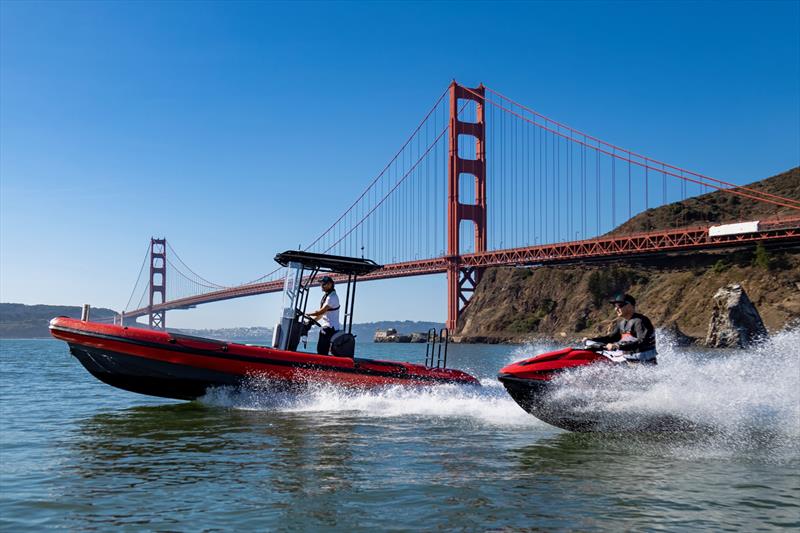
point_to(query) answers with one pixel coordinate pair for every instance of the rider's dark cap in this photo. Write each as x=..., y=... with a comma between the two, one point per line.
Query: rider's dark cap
x=623, y=299
x=325, y=279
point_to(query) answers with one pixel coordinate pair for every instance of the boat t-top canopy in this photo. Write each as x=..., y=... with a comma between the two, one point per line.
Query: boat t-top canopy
x=338, y=264
x=301, y=271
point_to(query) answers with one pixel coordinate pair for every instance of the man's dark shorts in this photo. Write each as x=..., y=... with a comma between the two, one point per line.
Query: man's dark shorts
x=324, y=343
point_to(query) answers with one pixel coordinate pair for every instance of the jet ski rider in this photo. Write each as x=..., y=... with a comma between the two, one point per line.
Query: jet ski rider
x=327, y=315
x=634, y=334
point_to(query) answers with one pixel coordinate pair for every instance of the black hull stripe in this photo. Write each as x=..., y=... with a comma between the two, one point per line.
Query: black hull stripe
x=151, y=376
x=261, y=360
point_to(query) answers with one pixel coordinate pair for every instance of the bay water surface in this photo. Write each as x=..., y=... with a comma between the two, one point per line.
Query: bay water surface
x=78, y=454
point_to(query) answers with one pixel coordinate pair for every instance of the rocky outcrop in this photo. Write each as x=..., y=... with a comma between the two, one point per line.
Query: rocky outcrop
x=419, y=337
x=391, y=335
x=735, y=322
x=385, y=335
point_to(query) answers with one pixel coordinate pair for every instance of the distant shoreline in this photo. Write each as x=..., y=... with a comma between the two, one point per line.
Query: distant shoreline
x=30, y=322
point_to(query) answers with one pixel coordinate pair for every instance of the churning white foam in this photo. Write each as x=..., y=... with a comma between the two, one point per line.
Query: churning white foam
x=488, y=404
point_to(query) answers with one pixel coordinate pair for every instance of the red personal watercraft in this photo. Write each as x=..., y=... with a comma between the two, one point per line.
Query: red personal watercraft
x=172, y=365
x=530, y=383
x=537, y=384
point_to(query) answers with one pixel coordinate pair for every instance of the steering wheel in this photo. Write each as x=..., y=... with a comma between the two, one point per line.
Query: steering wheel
x=300, y=314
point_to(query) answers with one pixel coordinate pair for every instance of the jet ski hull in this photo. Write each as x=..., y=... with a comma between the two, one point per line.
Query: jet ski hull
x=534, y=396
x=169, y=365
x=533, y=384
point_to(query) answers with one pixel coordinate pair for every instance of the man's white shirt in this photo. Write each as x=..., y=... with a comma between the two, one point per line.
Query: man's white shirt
x=331, y=318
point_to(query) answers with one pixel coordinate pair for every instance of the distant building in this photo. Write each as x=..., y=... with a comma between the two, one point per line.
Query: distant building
x=385, y=335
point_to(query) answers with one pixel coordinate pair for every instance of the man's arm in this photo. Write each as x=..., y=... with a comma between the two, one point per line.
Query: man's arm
x=614, y=336
x=319, y=312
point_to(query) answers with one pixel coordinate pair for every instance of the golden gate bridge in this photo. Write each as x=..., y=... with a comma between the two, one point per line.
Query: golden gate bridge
x=485, y=181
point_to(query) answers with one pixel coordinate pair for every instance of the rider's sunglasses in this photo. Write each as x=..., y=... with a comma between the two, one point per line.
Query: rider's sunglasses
x=620, y=306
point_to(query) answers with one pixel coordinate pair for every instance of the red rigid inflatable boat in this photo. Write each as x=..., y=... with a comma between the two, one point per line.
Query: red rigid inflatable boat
x=170, y=365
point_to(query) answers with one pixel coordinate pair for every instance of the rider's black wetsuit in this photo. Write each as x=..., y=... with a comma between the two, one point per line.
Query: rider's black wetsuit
x=636, y=337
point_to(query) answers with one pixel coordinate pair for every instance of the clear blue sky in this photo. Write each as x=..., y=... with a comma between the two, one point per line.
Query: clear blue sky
x=218, y=124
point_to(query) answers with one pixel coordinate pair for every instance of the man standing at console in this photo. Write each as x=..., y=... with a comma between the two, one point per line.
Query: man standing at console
x=634, y=334
x=327, y=315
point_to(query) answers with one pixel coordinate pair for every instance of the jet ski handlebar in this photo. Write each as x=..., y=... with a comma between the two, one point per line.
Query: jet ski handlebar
x=593, y=345
x=615, y=356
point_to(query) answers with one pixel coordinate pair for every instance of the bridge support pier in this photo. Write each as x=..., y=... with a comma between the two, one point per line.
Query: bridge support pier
x=158, y=282
x=461, y=282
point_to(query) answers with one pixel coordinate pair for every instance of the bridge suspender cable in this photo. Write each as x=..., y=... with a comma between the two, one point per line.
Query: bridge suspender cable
x=787, y=202
x=138, y=277
x=735, y=189
x=389, y=193
x=411, y=137
x=405, y=175
x=209, y=284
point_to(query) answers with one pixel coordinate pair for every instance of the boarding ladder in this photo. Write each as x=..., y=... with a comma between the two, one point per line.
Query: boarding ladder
x=437, y=341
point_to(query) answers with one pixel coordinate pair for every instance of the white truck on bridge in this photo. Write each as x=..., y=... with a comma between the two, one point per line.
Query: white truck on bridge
x=733, y=229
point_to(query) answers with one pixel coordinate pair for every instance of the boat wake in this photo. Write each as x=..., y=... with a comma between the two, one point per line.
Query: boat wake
x=488, y=404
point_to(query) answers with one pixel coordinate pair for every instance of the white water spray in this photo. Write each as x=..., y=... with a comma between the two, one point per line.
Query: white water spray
x=488, y=404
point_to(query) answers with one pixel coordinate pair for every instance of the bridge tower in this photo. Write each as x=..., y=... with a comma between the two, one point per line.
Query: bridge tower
x=158, y=281
x=461, y=281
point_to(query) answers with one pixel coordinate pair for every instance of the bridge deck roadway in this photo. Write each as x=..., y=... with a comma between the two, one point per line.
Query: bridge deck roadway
x=618, y=246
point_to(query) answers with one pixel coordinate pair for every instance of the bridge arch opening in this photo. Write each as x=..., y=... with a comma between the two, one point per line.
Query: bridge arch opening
x=467, y=147
x=467, y=110
x=467, y=186
x=467, y=235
